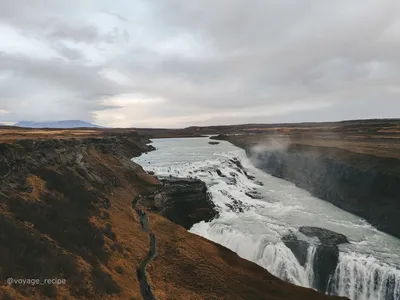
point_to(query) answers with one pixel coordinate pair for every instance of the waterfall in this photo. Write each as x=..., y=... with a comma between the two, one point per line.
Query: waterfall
x=361, y=277
x=357, y=276
x=275, y=257
x=310, y=265
x=254, y=231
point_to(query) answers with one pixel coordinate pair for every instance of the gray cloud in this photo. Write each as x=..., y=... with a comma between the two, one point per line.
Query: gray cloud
x=68, y=52
x=86, y=34
x=183, y=63
x=84, y=80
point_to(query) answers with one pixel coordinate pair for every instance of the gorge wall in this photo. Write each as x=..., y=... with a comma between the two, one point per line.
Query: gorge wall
x=363, y=184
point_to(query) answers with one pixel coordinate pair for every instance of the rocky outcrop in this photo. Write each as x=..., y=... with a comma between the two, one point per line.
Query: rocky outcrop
x=254, y=194
x=239, y=167
x=325, y=236
x=25, y=154
x=183, y=201
x=297, y=246
x=326, y=253
x=236, y=205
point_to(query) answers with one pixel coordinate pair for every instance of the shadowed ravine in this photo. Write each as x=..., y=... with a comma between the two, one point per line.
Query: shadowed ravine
x=145, y=287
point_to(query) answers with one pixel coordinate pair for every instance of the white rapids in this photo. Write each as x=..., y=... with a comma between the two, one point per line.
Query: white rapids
x=368, y=268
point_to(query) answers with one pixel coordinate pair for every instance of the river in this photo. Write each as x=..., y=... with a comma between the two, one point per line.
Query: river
x=368, y=268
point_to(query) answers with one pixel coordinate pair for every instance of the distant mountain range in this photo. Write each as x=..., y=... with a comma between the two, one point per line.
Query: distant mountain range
x=56, y=124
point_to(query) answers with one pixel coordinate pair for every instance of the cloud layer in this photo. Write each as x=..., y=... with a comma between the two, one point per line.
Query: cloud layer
x=178, y=63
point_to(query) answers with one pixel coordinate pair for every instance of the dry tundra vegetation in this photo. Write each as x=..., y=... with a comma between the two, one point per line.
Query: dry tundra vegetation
x=65, y=212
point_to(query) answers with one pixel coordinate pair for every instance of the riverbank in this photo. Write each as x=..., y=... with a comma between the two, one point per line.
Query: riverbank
x=66, y=212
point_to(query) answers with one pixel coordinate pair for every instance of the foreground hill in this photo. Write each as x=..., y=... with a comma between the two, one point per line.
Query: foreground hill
x=67, y=212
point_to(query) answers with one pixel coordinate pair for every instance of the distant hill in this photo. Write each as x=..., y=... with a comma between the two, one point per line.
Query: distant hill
x=57, y=124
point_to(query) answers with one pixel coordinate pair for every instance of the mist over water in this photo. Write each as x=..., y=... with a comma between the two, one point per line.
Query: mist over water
x=368, y=267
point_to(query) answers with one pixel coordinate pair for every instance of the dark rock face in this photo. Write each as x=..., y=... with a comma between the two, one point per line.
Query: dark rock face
x=326, y=255
x=325, y=236
x=236, y=205
x=240, y=168
x=325, y=262
x=366, y=190
x=253, y=195
x=298, y=247
x=220, y=173
x=183, y=201
x=228, y=180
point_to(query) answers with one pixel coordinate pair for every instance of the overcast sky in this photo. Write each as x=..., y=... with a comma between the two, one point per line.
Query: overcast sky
x=176, y=63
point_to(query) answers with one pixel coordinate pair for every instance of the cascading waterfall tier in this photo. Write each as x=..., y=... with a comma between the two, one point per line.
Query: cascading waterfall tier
x=363, y=277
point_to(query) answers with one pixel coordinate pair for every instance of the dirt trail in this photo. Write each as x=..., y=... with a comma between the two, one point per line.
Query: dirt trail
x=145, y=287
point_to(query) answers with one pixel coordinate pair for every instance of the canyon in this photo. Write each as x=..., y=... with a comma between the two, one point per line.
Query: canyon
x=67, y=210
x=355, y=167
x=281, y=226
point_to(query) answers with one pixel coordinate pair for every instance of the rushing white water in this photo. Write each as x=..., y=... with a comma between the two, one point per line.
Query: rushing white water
x=368, y=267
x=363, y=277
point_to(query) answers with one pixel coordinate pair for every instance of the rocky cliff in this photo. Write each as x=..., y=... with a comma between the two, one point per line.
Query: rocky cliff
x=182, y=201
x=55, y=212
x=67, y=211
x=326, y=252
